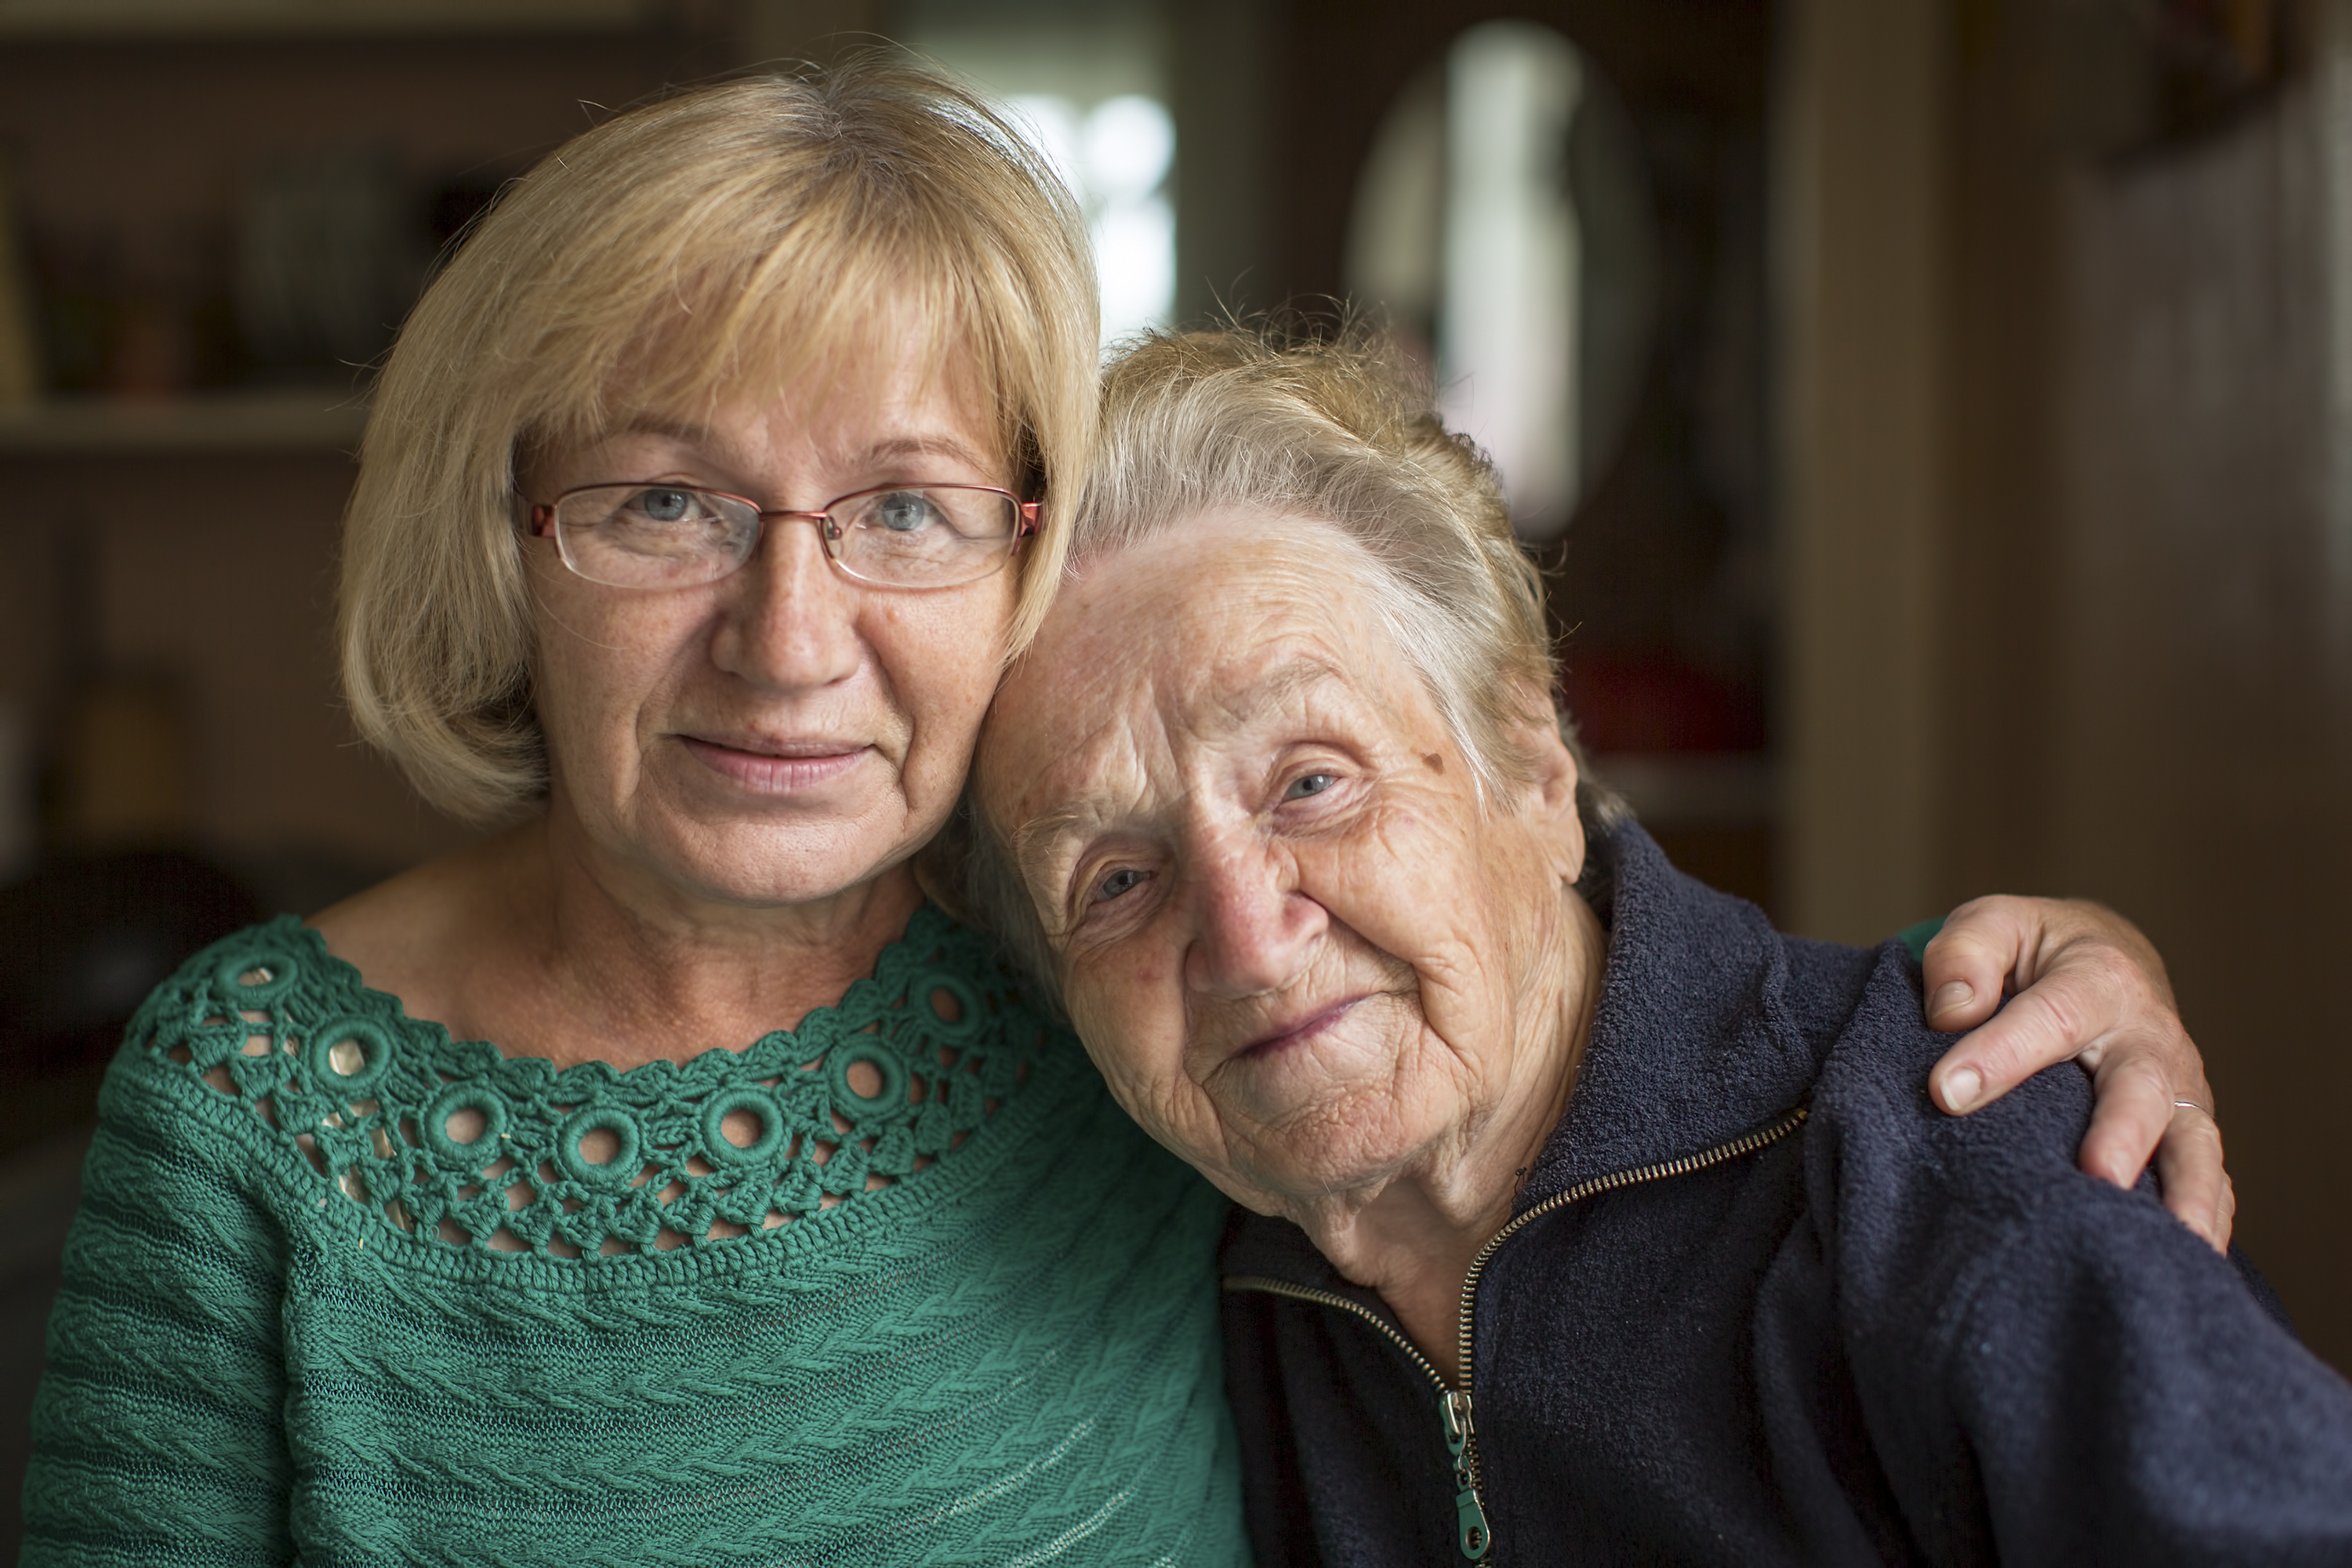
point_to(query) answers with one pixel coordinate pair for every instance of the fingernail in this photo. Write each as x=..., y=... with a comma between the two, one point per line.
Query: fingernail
x=1951, y=994
x=1961, y=1087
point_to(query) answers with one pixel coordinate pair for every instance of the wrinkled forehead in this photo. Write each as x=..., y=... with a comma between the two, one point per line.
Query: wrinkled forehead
x=1170, y=645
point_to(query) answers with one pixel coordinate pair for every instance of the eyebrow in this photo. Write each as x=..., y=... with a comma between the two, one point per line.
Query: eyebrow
x=1030, y=839
x=884, y=451
x=1285, y=681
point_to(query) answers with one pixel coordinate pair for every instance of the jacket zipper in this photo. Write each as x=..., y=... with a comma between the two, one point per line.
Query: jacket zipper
x=1452, y=1404
x=1473, y=1536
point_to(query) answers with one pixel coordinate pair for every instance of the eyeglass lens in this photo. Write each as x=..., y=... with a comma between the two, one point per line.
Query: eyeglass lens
x=659, y=536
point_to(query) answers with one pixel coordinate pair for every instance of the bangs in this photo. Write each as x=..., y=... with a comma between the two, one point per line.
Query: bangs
x=847, y=279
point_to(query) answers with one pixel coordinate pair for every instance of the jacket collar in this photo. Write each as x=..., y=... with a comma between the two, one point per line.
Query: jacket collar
x=1691, y=1042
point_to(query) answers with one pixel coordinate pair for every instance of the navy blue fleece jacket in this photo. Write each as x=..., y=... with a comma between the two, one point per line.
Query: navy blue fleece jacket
x=1886, y=1335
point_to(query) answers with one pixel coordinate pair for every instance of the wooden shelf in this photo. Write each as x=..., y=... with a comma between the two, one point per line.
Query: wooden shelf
x=225, y=422
x=287, y=18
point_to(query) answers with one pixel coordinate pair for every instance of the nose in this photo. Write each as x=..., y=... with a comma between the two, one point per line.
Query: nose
x=790, y=620
x=1254, y=930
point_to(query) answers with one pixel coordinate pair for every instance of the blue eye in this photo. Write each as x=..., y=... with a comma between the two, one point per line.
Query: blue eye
x=663, y=505
x=903, y=511
x=1123, y=880
x=1310, y=784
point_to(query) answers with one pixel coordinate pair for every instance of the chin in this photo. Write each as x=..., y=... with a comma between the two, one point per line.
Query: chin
x=1293, y=1180
x=1337, y=1143
x=771, y=863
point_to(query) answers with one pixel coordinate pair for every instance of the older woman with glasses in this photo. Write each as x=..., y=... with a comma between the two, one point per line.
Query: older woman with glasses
x=1594, y=1221
x=666, y=1179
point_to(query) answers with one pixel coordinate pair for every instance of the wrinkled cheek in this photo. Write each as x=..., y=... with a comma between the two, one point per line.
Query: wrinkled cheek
x=1466, y=1004
x=1100, y=1026
x=1143, y=1066
x=1405, y=883
x=1148, y=1085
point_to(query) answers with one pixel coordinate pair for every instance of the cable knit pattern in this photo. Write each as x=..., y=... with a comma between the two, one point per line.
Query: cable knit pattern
x=900, y=1285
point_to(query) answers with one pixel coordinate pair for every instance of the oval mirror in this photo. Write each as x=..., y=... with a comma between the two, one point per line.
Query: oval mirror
x=1502, y=223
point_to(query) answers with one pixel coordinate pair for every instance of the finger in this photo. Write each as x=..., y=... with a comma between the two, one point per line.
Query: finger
x=2133, y=1111
x=2197, y=1188
x=1971, y=960
x=2054, y=1021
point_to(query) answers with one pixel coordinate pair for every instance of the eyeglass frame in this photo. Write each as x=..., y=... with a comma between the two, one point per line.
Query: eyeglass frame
x=540, y=522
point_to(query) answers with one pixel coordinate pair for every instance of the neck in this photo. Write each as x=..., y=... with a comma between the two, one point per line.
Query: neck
x=537, y=941
x=1414, y=1237
x=640, y=965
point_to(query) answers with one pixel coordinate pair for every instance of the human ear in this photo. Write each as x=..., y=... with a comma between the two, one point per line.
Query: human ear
x=1548, y=795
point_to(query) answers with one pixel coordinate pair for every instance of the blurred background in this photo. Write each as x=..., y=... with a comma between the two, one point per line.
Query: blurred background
x=1935, y=416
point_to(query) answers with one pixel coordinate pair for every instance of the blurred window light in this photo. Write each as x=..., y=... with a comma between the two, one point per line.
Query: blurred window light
x=1087, y=82
x=1130, y=144
x=1115, y=155
x=1506, y=345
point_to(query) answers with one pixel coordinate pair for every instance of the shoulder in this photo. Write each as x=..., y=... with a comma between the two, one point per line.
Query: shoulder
x=1930, y=1222
x=2004, y=1316
x=189, y=1088
x=1914, y=1208
x=1871, y=1100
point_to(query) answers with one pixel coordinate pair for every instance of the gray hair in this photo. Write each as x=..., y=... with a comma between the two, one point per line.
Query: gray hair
x=1338, y=430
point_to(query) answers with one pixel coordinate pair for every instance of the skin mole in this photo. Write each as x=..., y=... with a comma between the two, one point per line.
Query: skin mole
x=1433, y=761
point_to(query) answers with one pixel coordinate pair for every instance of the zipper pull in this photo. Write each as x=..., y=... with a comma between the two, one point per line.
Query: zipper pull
x=1470, y=1519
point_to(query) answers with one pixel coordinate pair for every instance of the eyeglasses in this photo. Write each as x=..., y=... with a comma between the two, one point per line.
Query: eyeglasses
x=675, y=536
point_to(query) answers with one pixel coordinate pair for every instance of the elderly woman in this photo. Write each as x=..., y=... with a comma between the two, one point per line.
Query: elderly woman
x=1601, y=1224
x=665, y=1179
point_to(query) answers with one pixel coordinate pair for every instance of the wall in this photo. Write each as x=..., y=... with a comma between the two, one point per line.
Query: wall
x=2065, y=525
x=2199, y=777
x=219, y=568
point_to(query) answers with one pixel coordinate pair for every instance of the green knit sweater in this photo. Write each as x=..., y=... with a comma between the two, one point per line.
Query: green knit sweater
x=346, y=1291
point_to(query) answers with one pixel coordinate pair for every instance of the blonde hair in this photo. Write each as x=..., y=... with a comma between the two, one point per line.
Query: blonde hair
x=1340, y=431
x=692, y=253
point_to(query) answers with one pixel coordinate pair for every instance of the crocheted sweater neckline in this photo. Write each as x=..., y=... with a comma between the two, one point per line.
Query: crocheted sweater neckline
x=717, y=1061
x=452, y=1144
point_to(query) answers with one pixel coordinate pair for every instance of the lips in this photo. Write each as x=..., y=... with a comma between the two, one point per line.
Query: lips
x=1305, y=1028
x=777, y=766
